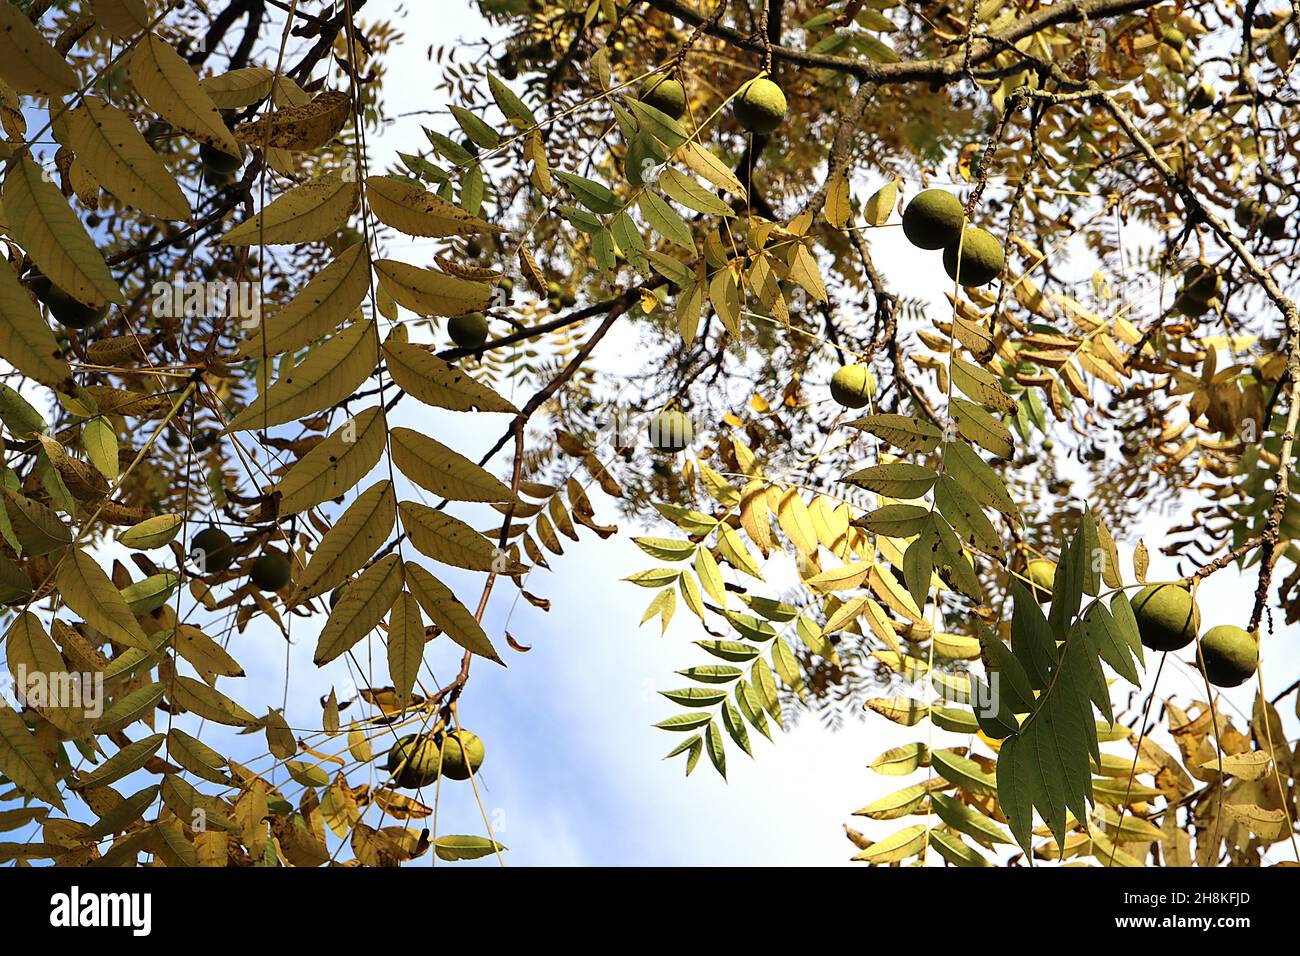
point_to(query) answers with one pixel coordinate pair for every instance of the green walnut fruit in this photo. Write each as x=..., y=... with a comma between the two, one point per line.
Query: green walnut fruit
x=219, y=162
x=1202, y=97
x=462, y=754
x=664, y=94
x=1229, y=655
x=1041, y=573
x=982, y=258
x=212, y=550
x=271, y=571
x=67, y=311
x=1202, y=281
x=853, y=386
x=468, y=331
x=671, y=431
x=1254, y=214
x=568, y=299
x=414, y=759
x=759, y=106
x=1167, y=617
x=1201, y=285
x=336, y=594
x=933, y=219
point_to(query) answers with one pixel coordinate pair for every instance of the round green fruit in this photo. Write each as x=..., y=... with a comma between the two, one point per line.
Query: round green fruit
x=853, y=386
x=336, y=594
x=933, y=219
x=1167, y=617
x=664, y=94
x=1202, y=97
x=671, y=431
x=759, y=106
x=462, y=755
x=212, y=550
x=982, y=258
x=414, y=759
x=1041, y=573
x=507, y=68
x=271, y=571
x=219, y=162
x=1229, y=655
x=67, y=310
x=468, y=331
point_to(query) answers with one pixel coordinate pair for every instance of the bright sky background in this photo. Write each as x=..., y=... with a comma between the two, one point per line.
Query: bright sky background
x=574, y=773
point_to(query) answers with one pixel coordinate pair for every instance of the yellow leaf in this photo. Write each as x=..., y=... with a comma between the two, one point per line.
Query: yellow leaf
x=105, y=139
x=329, y=374
x=305, y=213
x=170, y=86
x=435, y=467
x=238, y=88
x=447, y=539
x=710, y=167
x=335, y=465
x=122, y=18
x=327, y=299
x=429, y=292
x=352, y=540
x=446, y=611
x=86, y=589
x=299, y=128
x=28, y=63
x=410, y=208
x=405, y=645
x=24, y=761
x=360, y=609
x=435, y=382
x=881, y=204
x=839, y=208
x=151, y=533
x=208, y=702
x=49, y=231
x=26, y=341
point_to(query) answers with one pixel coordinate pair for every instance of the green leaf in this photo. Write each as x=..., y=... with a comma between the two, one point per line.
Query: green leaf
x=717, y=752
x=902, y=431
x=665, y=220
x=457, y=847
x=519, y=115
x=895, y=480
x=695, y=696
